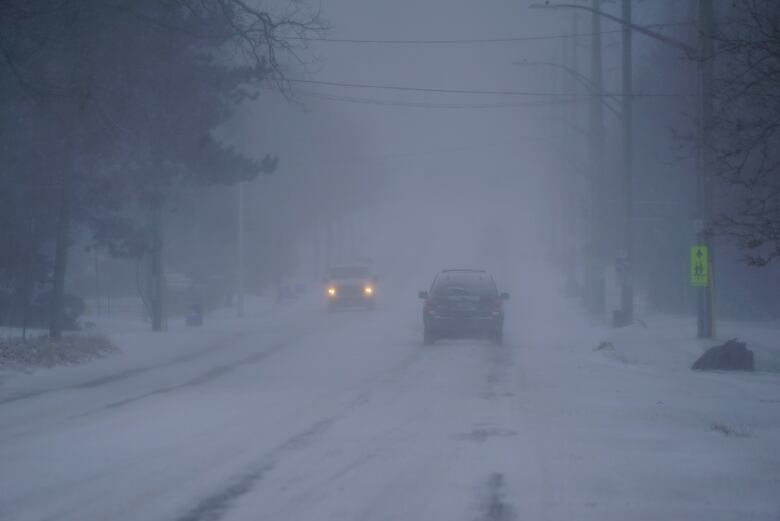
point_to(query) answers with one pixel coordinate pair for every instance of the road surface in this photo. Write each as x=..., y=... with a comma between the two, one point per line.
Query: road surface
x=306, y=415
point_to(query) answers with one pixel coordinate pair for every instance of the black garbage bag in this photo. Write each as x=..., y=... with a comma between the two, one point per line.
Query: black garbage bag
x=731, y=356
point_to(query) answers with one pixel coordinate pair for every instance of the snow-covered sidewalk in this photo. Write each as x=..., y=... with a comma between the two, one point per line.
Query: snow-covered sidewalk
x=138, y=348
x=669, y=342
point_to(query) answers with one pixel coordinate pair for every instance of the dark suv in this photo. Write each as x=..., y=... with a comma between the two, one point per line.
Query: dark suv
x=463, y=304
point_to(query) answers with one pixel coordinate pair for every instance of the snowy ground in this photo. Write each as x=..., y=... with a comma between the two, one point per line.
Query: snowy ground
x=296, y=414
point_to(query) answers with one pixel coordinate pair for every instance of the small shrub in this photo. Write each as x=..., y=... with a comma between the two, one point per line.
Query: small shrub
x=42, y=351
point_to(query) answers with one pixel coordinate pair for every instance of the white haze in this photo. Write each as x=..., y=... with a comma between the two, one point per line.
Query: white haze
x=285, y=411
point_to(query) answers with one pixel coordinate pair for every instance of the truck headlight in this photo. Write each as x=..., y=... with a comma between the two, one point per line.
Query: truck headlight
x=368, y=290
x=331, y=292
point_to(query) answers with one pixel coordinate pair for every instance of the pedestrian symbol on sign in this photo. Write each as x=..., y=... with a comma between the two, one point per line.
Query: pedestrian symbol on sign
x=700, y=266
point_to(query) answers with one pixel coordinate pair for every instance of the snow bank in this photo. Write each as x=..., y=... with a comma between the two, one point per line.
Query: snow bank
x=670, y=342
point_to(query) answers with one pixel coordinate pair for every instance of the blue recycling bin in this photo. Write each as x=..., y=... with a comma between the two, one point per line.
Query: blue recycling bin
x=194, y=315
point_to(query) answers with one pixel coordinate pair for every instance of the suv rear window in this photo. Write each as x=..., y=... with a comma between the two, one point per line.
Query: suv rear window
x=464, y=283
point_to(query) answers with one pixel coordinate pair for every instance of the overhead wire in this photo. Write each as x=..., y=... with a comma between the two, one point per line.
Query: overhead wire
x=558, y=97
x=561, y=97
x=510, y=39
x=436, y=151
x=405, y=88
x=437, y=105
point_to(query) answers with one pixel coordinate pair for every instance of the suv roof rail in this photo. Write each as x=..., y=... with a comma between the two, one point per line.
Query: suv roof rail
x=464, y=269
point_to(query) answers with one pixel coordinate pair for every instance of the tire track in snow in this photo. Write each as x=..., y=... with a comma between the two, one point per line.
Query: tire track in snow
x=494, y=507
x=216, y=505
x=208, y=376
x=311, y=488
x=531, y=398
x=506, y=382
x=204, y=378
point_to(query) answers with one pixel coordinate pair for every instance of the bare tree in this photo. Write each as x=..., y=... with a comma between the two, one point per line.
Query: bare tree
x=144, y=79
x=748, y=128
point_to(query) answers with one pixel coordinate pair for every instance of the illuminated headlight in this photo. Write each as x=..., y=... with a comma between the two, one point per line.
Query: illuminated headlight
x=368, y=290
x=331, y=292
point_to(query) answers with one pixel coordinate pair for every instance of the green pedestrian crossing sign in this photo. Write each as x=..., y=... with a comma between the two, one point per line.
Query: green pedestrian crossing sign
x=700, y=266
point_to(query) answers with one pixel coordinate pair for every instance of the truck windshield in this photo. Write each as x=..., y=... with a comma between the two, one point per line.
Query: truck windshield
x=349, y=272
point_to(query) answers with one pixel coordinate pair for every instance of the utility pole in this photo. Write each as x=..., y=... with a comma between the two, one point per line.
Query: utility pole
x=597, y=290
x=317, y=253
x=157, y=266
x=557, y=177
x=573, y=248
x=329, y=244
x=98, y=293
x=627, y=294
x=62, y=236
x=706, y=318
x=240, y=251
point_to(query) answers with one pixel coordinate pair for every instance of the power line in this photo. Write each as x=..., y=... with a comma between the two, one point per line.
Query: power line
x=404, y=88
x=468, y=40
x=432, y=151
x=466, y=148
x=436, y=105
x=432, y=105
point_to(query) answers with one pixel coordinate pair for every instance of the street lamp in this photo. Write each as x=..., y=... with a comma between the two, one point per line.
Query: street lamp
x=638, y=28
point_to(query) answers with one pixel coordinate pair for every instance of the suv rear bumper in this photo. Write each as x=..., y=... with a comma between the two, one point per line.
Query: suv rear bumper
x=463, y=327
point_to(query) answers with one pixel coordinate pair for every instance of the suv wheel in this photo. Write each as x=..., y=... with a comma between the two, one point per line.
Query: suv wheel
x=428, y=338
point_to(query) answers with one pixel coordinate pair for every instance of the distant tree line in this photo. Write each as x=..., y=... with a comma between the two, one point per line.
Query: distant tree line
x=107, y=109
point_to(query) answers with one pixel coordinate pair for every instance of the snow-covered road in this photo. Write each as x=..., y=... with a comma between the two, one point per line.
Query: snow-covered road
x=303, y=415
